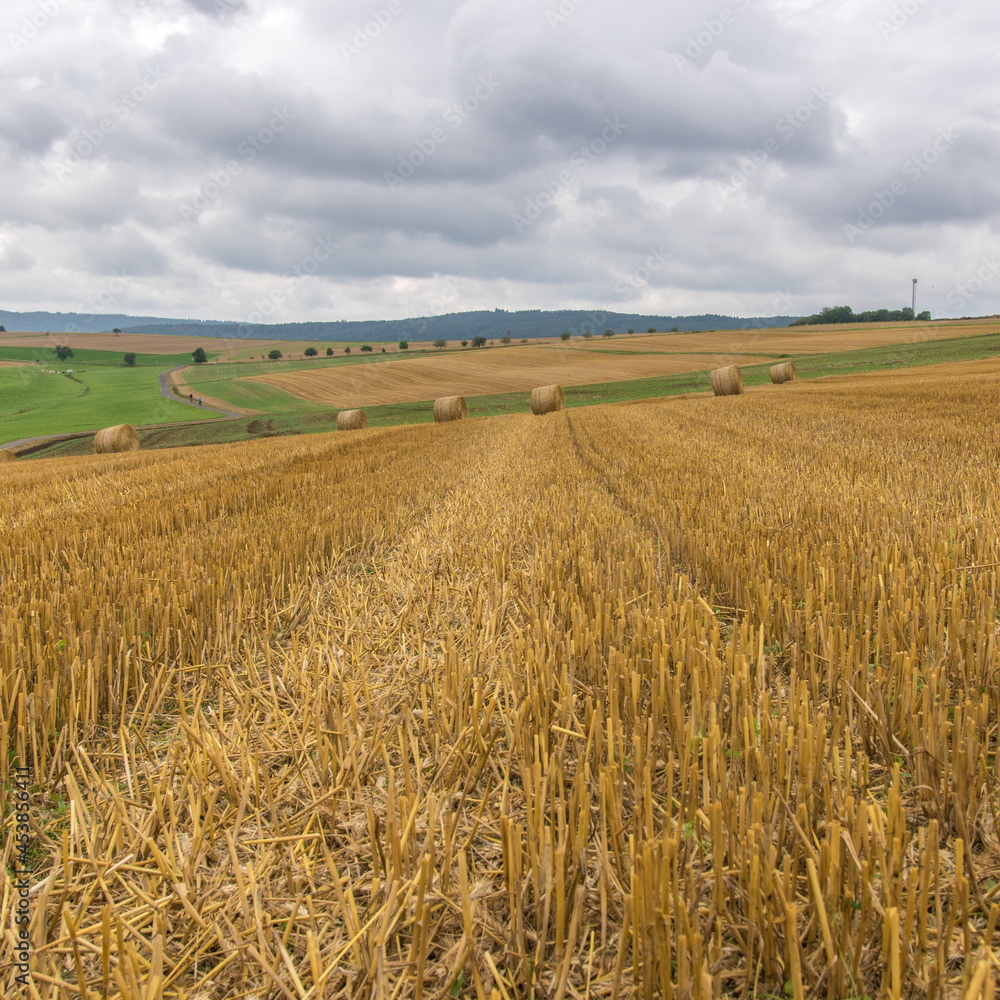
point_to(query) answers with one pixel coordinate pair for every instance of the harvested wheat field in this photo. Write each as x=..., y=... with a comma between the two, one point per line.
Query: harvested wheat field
x=982, y=370
x=794, y=339
x=572, y=707
x=474, y=373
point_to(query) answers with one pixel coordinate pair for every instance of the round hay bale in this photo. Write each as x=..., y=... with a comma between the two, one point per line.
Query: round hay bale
x=351, y=420
x=121, y=437
x=6, y=456
x=727, y=381
x=784, y=372
x=450, y=408
x=547, y=399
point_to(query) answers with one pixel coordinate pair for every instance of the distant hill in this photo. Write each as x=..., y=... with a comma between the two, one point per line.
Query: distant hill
x=57, y=322
x=453, y=326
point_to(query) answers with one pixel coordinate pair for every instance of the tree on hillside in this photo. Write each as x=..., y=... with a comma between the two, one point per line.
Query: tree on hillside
x=198, y=356
x=404, y=345
x=129, y=360
x=587, y=335
x=311, y=352
x=3, y=329
x=652, y=329
x=505, y=339
x=367, y=349
x=329, y=352
x=630, y=330
x=565, y=336
x=845, y=314
x=273, y=354
x=440, y=342
x=347, y=350
x=478, y=341
x=63, y=352
x=465, y=343
x=117, y=330
x=608, y=333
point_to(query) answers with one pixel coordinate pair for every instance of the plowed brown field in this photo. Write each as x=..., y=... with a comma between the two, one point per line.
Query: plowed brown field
x=481, y=372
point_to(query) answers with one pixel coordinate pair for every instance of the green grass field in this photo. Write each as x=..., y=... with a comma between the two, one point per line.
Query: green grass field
x=35, y=404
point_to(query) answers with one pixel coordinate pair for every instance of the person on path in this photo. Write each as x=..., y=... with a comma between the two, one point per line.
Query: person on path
x=191, y=396
x=199, y=400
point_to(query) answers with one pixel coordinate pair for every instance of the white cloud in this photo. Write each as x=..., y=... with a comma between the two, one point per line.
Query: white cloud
x=747, y=193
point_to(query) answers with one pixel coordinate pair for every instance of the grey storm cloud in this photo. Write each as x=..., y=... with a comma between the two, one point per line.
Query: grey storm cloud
x=526, y=154
x=218, y=8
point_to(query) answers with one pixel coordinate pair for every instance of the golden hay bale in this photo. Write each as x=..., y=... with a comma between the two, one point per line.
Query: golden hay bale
x=784, y=372
x=351, y=420
x=727, y=381
x=547, y=399
x=121, y=437
x=6, y=456
x=450, y=408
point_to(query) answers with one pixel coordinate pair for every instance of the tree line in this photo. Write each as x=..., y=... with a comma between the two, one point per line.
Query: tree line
x=845, y=314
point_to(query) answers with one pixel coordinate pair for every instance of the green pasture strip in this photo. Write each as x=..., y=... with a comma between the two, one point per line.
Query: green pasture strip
x=89, y=399
x=86, y=358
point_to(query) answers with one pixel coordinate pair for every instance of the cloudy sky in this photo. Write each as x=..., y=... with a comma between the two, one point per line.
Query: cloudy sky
x=249, y=159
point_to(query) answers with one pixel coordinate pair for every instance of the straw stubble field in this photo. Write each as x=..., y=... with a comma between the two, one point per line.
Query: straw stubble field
x=486, y=371
x=690, y=698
